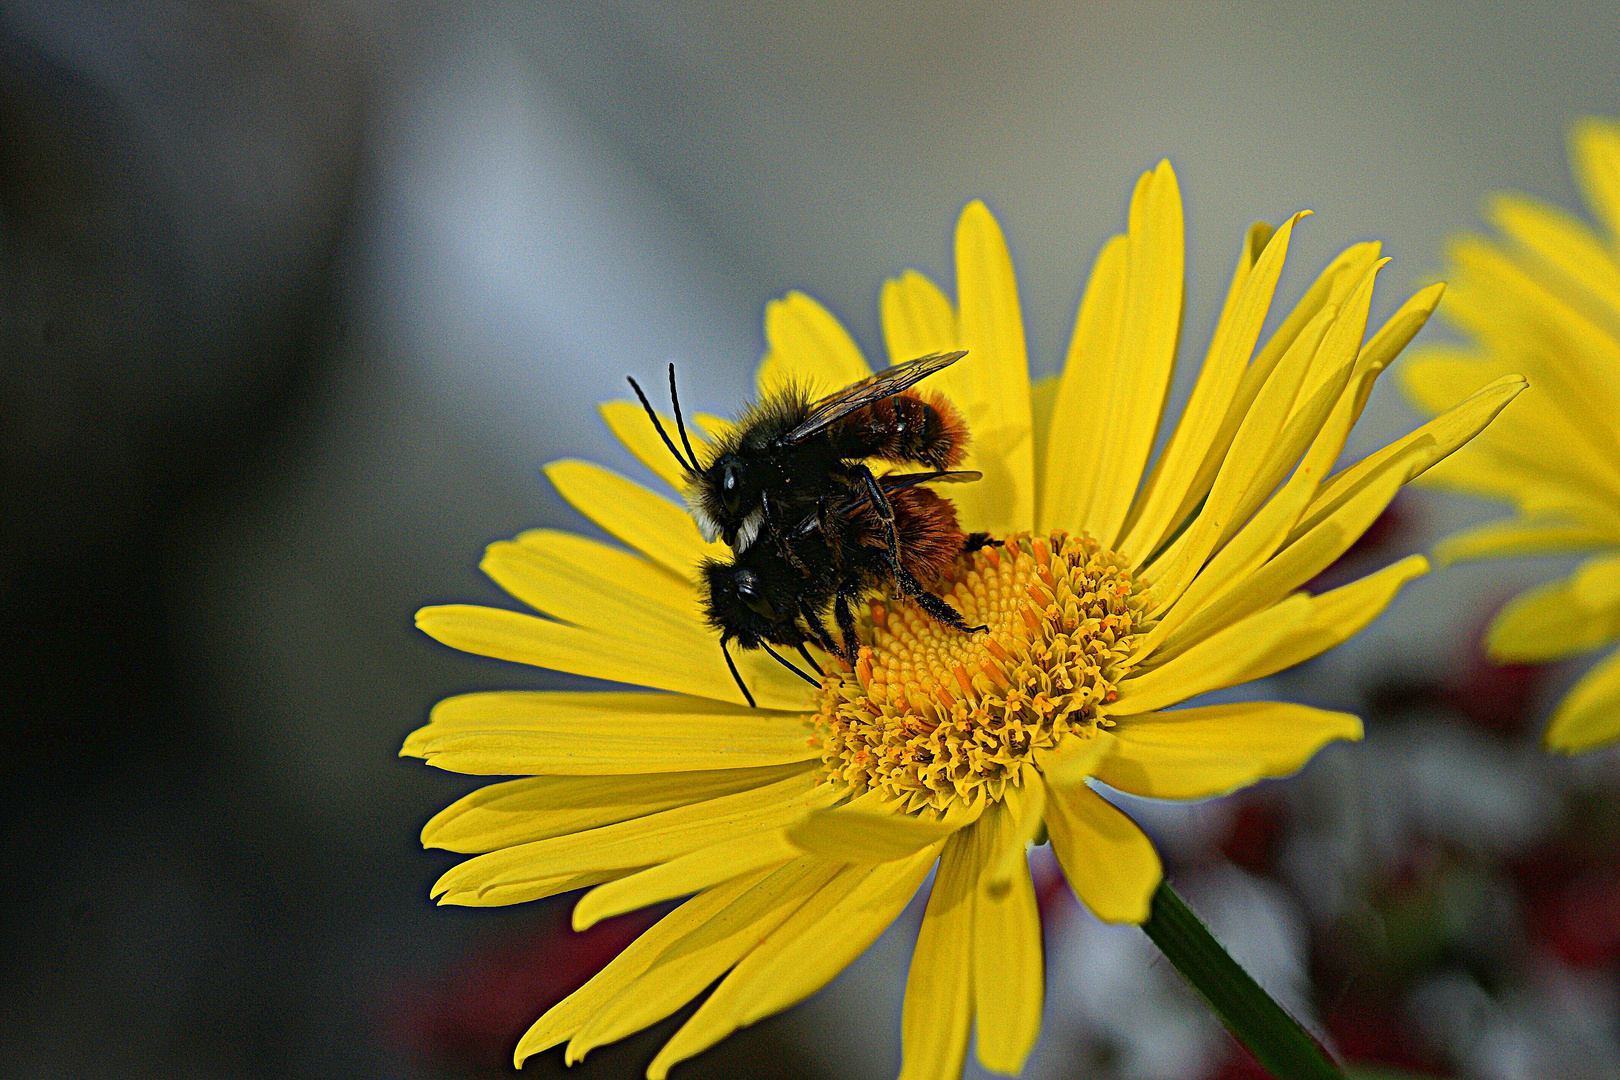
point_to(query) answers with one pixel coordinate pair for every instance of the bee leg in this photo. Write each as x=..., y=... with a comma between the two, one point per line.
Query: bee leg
x=975, y=541
x=815, y=667
x=846, y=626
x=740, y=684
x=885, y=513
x=775, y=535
x=934, y=605
x=818, y=629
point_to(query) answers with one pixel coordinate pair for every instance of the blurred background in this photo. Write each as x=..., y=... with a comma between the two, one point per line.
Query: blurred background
x=296, y=299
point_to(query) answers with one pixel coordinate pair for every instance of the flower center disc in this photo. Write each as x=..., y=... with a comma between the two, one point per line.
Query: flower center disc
x=936, y=716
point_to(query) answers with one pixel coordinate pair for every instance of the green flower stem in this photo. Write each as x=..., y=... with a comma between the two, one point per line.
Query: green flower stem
x=1285, y=1049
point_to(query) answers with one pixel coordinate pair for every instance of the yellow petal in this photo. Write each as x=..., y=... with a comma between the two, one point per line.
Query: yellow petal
x=808, y=346
x=1198, y=753
x=1561, y=618
x=1042, y=402
x=539, y=807
x=1415, y=453
x=1259, y=588
x=1149, y=332
x=629, y=424
x=1503, y=538
x=647, y=522
x=1008, y=977
x=1590, y=716
x=528, y=732
x=1218, y=661
x=689, y=873
x=873, y=829
x=1110, y=865
x=1027, y=803
x=637, y=658
x=990, y=385
x=818, y=941
x=1257, y=650
x=546, y=867
x=1081, y=412
x=1595, y=157
x=687, y=968
x=1560, y=243
x=1393, y=336
x=562, y=1020
x=1256, y=441
x=938, y=1011
x=595, y=586
x=1337, y=616
x=917, y=318
x=1184, y=471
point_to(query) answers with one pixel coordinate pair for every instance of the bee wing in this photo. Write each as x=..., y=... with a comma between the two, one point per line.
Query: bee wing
x=873, y=388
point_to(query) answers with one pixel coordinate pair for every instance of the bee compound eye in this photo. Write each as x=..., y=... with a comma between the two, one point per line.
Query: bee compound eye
x=748, y=589
x=731, y=489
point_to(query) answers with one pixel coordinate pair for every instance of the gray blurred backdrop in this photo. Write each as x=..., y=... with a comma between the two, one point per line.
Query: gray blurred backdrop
x=298, y=297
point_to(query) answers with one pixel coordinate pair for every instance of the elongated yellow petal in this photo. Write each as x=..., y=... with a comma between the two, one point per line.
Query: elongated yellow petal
x=1183, y=473
x=562, y=1020
x=595, y=586
x=1560, y=243
x=529, y=871
x=1008, y=975
x=1042, y=401
x=1335, y=617
x=807, y=346
x=1149, y=333
x=917, y=318
x=873, y=829
x=1197, y=753
x=689, y=873
x=1501, y=538
x=1594, y=153
x=539, y=807
x=991, y=384
x=1082, y=406
x=1290, y=568
x=1220, y=660
x=647, y=522
x=1561, y=618
x=687, y=967
x=1027, y=802
x=938, y=1011
x=697, y=669
x=1589, y=716
x=1416, y=452
x=1110, y=865
x=1309, y=319
x=629, y=424
x=818, y=941
x=527, y=732
x=1254, y=444
x=1394, y=336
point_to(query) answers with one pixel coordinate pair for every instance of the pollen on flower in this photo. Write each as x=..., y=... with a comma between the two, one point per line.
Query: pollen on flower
x=934, y=716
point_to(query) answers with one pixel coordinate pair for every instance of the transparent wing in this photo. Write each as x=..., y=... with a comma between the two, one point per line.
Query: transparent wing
x=885, y=383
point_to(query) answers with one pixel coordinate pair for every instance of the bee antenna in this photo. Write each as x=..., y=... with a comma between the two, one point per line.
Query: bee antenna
x=740, y=684
x=785, y=662
x=645, y=404
x=680, y=423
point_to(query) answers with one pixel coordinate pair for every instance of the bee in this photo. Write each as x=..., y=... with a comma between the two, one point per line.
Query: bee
x=790, y=492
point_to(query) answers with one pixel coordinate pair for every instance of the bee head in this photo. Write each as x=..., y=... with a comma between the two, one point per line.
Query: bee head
x=727, y=504
x=742, y=604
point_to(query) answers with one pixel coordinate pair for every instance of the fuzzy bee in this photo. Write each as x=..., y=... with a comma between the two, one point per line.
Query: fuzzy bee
x=810, y=524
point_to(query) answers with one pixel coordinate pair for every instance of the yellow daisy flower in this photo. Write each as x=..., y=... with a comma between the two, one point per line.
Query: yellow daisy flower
x=1546, y=302
x=804, y=826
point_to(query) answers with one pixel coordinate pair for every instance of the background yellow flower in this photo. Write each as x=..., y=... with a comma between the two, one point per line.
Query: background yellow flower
x=1544, y=300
